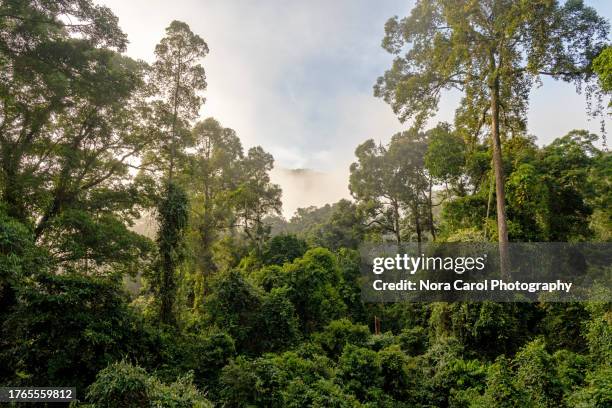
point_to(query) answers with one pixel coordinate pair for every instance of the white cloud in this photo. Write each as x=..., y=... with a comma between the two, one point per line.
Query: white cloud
x=296, y=77
x=303, y=188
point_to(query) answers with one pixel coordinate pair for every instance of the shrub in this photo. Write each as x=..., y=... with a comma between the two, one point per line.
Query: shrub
x=122, y=385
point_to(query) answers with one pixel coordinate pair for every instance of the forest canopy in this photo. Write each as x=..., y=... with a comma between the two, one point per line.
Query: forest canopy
x=226, y=303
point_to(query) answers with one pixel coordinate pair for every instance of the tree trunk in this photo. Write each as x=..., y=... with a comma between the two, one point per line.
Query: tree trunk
x=177, y=84
x=502, y=228
x=489, y=199
x=417, y=224
x=396, y=225
x=432, y=227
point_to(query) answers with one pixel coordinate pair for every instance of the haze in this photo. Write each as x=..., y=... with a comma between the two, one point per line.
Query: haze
x=296, y=78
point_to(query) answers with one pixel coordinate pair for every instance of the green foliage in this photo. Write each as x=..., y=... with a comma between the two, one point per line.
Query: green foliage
x=359, y=372
x=389, y=181
x=601, y=200
x=457, y=376
x=554, y=193
x=254, y=311
x=335, y=226
x=120, y=385
x=349, y=263
x=446, y=151
x=399, y=377
x=486, y=328
x=599, y=333
x=268, y=277
x=233, y=306
x=338, y=333
x=344, y=228
x=527, y=195
x=597, y=391
x=97, y=242
x=214, y=171
x=277, y=325
x=19, y=257
x=567, y=161
x=536, y=375
x=492, y=53
x=176, y=77
x=320, y=394
x=208, y=357
x=19, y=260
x=463, y=214
x=172, y=220
x=440, y=46
x=238, y=382
x=256, y=196
x=306, y=220
x=380, y=341
x=562, y=325
x=55, y=89
x=413, y=341
x=397, y=316
x=123, y=385
x=312, y=283
x=500, y=390
x=272, y=380
x=602, y=65
x=283, y=248
x=571, y=369
x=67, y=327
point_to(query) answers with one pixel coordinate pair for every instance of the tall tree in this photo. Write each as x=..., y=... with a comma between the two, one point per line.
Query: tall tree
x=390, y=182
x=492, y=51
x=172, y=220
x=344, y=227
x=378, y=192
x=406, y=168
x=44, y=70
x=70, y=120
x=256, y=196
x=41, y=68
x=215, y=173
x=177, y=77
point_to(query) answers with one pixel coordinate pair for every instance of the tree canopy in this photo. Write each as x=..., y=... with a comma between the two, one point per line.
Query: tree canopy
x=145, y=260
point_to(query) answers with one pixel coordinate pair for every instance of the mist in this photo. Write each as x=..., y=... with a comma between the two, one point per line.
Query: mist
x=306, y=187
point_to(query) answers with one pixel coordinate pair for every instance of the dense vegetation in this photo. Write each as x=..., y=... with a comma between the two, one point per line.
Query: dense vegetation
x=231, y=305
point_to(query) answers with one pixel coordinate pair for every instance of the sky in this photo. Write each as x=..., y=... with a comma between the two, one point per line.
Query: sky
x=296, y=78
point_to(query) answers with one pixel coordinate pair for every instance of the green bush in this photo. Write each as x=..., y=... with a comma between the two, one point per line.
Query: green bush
x=597, y=393
x=413, y=340
x=337, y=334
x=359, y=372
x=122, y=385
x=67, y=327
x=321, y=394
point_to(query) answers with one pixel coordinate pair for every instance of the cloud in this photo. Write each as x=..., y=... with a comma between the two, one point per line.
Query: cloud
x=275, y=68
x=296, y=77
x=305, y=187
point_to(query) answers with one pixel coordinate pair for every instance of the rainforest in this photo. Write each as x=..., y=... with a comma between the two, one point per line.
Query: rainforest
x=146, y=261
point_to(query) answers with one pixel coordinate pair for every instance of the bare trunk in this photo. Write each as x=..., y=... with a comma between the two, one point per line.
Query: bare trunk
x=432, y=227
x=417, y=223
x=502, y=228
x=491, y=183
x=177, y=84
x=396, y=225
